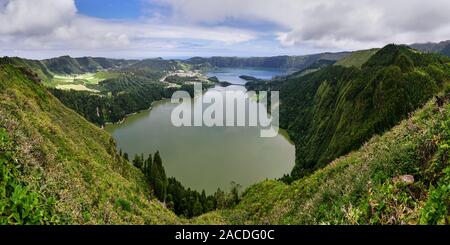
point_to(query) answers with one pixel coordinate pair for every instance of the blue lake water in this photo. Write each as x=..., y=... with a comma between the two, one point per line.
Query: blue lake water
x=232, y=74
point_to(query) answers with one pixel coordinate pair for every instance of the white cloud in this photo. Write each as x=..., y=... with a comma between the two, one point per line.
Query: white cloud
x=34, y=17
x=55, y=25
x=191, y=26
x=329, y=23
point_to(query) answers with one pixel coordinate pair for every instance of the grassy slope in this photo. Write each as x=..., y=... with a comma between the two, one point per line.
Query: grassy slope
x=36, y=66
x=359, y=188
x=61, y=155
x=357, y=58
x=335, y=110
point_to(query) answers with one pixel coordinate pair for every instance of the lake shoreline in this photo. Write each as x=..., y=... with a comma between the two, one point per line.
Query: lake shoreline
x=205, y=74
x=206, y=157
x=121, y=121
x=219, y=83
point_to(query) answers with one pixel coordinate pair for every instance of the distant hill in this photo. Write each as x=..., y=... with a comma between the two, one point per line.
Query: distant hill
x=441, y=47
x=69, y=65
x=156, y=65
x=357, y=58
x=66, y=65
x=279, y=62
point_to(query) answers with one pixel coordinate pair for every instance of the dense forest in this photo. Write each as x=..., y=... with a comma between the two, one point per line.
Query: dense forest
x=121, y=96
x=184, y=202
x=333, y=111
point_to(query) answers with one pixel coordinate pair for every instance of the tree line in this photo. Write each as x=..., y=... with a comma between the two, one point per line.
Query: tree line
x=117, y=98
x=181, y=200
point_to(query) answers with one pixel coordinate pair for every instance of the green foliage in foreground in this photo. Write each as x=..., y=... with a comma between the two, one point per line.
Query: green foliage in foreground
x=61, y=168
x=362, y=187
x=19, y=204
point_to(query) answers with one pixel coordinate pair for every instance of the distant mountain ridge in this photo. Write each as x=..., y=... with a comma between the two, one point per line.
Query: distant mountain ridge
x=66, y=65
x=69, y=65
x=441, y=47
x=279, y=62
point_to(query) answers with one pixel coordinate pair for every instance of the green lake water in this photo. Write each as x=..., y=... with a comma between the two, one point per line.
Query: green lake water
x=205, y=157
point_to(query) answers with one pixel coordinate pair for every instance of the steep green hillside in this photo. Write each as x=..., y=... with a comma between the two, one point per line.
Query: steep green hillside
x=34, y=65
x=320, y=64
x=333, y=111
x=401, y=177
x=357, y=58
x=58, y=168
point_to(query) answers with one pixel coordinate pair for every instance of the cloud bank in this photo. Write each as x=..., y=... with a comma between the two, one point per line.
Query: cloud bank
x=199, y=27
x=55, y=25
x=329, y=23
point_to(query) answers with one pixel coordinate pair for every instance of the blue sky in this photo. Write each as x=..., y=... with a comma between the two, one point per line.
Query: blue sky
x=136, y=10
x=110, y=9
x=184, y=28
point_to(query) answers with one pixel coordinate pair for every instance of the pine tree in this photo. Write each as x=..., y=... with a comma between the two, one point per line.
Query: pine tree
x=148, y=167
x=157, y=159
x=197, y=208
x=142, y=160
x=203, y=200
x=210, y=204
x=170, y=202
x=153, y=177
x=220, y=198
x=137, y=162
x=161, y=178
x=234, y=193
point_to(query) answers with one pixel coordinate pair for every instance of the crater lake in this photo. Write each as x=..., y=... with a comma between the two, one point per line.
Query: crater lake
x=207, y=157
